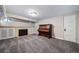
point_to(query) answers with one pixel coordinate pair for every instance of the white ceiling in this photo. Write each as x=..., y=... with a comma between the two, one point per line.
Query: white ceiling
x=45, y=11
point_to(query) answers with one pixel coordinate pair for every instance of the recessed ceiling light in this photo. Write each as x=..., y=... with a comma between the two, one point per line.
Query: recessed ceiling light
x=33, y=13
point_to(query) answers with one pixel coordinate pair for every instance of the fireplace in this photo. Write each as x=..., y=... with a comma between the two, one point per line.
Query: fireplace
x=23, y=32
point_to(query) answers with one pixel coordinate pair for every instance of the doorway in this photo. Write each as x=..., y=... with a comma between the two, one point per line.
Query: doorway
x=70, y=28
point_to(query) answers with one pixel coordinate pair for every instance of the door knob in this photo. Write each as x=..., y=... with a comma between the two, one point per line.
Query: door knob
x=64, y=29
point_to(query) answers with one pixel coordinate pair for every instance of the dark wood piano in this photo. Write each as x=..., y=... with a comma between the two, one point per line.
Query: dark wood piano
x=45, y=30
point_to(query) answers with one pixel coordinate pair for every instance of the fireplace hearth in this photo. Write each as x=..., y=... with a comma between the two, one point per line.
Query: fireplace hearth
x=23, y=32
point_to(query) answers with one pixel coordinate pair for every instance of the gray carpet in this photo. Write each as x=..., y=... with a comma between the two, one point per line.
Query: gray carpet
x=37, y=44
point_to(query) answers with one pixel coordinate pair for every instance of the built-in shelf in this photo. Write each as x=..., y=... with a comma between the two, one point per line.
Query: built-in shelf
x=6, y=33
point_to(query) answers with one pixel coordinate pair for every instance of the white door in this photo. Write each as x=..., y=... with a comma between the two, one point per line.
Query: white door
x=70, y=28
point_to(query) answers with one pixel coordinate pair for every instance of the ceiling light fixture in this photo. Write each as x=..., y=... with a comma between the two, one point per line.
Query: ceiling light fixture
x=33, y=13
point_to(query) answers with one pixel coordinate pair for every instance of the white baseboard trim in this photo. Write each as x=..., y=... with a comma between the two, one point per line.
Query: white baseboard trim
x=57, y=38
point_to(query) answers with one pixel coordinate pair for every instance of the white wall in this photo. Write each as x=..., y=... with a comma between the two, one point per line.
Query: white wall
x=17, y=25
x=57, y=22
x=6, y=33
x=77, y=23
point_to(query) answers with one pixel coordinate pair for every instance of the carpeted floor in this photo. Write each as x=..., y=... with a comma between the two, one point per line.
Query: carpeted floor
x=37, y=44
